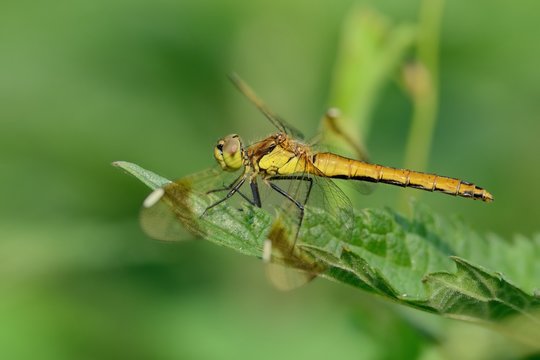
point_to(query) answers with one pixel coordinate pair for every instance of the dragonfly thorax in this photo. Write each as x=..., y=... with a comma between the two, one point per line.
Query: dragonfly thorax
x=229, y=153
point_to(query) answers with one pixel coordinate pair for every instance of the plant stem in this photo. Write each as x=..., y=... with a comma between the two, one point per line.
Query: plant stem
x=421, y=81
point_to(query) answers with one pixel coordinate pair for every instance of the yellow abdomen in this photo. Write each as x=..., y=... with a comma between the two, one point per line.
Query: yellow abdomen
x=335, y=166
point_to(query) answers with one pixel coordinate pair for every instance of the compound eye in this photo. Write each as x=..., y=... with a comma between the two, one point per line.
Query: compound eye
x=228, y=153
x=231, y=147
x=219, y=146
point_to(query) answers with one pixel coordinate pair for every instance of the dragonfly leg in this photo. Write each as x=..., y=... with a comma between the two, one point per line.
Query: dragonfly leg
x=296, y=203
x=255, y=192
x=228, y=188
x=234, y=189
x=301, y=178
x=220, y=189
x=244, y=196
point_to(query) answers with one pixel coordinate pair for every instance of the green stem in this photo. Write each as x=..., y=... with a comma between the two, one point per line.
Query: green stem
x=370, y=51
x=421, y=80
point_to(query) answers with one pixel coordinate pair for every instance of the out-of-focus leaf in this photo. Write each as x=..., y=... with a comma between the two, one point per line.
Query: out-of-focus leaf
x=370, y=52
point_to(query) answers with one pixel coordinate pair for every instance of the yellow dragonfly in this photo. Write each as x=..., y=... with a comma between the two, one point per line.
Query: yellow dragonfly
x=281, y=158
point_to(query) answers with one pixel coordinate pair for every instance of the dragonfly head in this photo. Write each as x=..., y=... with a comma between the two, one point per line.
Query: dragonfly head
x=229, y=153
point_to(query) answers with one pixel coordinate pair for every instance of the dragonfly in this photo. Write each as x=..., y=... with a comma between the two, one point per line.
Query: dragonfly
x=296, y=173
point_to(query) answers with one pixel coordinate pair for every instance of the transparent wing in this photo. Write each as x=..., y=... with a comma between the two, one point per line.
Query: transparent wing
x=323, y=202
x=287, y=267
x=276, y=120
x=334, y=133
x=165, y=216
x=172, y=212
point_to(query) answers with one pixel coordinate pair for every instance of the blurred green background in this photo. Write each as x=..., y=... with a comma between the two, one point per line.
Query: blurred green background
x=85, y=83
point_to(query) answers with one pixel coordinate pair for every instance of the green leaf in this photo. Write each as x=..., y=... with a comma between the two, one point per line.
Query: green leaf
x=150, y=179
x=471, y=291
x=419, y=262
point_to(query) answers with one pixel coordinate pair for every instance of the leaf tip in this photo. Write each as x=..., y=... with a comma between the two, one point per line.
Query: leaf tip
x=119, y=163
